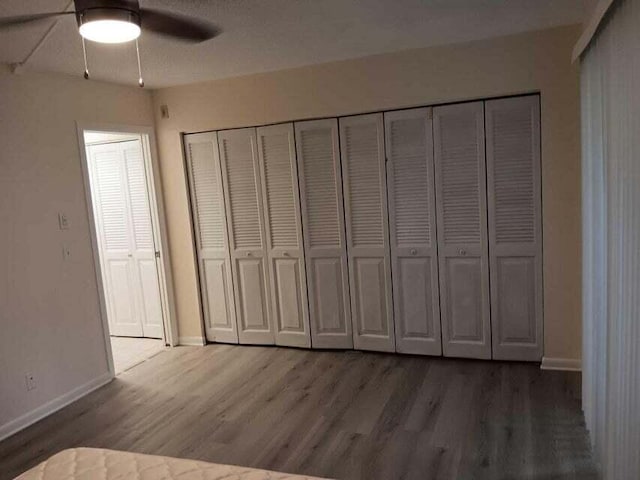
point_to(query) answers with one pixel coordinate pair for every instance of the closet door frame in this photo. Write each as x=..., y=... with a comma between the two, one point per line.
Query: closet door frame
x=326, y=257
x=416, y=254
x=365, y=254
x=156, y=202
x=240, y=255
x=285, y=256
x=464, y=252
x=517, y=252
x=213, y=334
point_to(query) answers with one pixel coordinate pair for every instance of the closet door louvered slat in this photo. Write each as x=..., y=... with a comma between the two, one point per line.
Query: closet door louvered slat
x=412, y=221
x=243, y=205
x=283, y=225
x=214, y=261
x=515, y=230
x=462, y=229
x=365, y=197
x=320, y=180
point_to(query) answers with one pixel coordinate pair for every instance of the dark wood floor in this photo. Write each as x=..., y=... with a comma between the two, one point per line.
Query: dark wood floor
x=345, y=415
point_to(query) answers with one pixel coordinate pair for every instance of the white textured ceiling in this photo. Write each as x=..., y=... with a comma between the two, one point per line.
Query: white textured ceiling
x=266, y=35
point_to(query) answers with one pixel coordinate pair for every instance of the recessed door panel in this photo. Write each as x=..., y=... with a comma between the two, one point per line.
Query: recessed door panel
x=414, y=297
x=371, y=304
x=516, y=295
x=253, y=303
x=289, y=301
x=151, y=302
x=464, y=299
x=219, y=296
x=328, y=298
x=122, y=301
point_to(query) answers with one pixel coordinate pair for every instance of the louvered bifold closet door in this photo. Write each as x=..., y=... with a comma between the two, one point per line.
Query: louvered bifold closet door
x=412, y=222
x=109, y=186
x=245, y=224
x=462, y=229
x=515, y=226
x=283, y=225
x=325, y=244
x=143, y=250
x=214, y=261
x=365, y=199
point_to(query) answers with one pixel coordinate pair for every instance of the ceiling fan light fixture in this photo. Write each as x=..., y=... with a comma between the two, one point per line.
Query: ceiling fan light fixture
x=109, y=25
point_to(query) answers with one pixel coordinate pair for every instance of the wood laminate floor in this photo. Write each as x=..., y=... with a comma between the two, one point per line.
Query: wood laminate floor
x=345, y=415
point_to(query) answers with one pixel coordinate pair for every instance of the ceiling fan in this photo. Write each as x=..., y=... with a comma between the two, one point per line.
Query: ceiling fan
x=119, y=21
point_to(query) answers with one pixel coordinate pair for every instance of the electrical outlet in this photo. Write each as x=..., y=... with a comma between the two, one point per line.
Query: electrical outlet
x=63, y=221
x=30, y=381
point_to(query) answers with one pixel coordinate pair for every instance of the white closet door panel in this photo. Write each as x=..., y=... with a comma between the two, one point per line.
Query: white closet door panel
x=138, y=197
x=245, y=224
x=412, y=220
x=143, y=252
x=253, y=303
x=111, y=206
x=460, y=178
x=320, y=180
x=515, y=226
x=150, y=297
x=214, y=260
x=283, y=225
x=123, y=317
x=365, y=196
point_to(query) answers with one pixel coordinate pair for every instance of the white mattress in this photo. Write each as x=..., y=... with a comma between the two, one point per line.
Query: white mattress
x=100, y=464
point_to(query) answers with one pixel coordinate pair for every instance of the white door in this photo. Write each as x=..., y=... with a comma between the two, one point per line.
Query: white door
x=412, y=222
x=365, y=199
x=462, y=229
x=320, y=180
x=283, y=225
x=248, y=248
x=515, y=226
x=214, y=262
x=125, y=239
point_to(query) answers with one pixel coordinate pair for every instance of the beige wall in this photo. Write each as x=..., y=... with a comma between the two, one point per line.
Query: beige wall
x=538, y=61
x=49, y=312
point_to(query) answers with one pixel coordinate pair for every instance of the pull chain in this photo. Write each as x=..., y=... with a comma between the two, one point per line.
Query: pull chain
x=86, y=67
x=140, y=80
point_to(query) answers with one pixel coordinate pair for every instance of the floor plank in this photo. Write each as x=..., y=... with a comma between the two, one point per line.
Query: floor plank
x=344, y=415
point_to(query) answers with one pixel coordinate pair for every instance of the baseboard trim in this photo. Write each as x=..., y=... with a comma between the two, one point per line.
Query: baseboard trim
x=566, y=364
x=53, y=406
x=192, y=341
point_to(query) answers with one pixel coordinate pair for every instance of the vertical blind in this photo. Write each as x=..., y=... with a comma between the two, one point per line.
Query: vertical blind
x=610, y=91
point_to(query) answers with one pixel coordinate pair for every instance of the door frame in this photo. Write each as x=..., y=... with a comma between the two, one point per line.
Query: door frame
x=148, y=140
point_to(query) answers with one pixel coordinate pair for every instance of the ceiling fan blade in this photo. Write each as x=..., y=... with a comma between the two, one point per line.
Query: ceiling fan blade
x=22, y=19
x=180, y=27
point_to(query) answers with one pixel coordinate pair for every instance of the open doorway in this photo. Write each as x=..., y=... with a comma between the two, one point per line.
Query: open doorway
x=127, y=240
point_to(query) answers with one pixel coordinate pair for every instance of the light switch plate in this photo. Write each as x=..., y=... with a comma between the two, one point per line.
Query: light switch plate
x=63, y=221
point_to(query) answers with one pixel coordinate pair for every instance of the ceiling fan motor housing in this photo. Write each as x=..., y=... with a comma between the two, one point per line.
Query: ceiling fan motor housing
x=92, y=10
